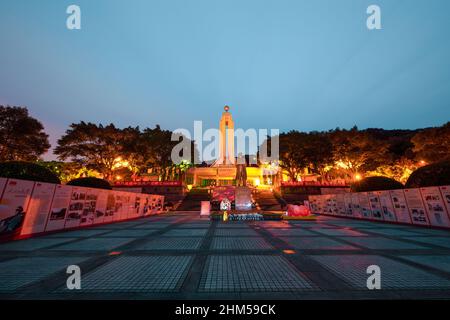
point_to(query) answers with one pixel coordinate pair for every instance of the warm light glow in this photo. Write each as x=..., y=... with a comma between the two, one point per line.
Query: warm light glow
x=288, y=251
x=189, y=187
x=118, y=178
x=422, y=162
x=257, y=182
x=358, y=177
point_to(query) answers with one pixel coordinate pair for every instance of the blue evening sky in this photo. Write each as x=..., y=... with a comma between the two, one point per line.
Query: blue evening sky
x=286, y=64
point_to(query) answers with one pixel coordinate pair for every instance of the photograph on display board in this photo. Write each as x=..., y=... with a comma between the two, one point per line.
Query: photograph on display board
x=387, y=206
x=435, y=207
x=59, y=208
x=416, y=207
x=38, y=208
x=364, y=205
x=375, y=206
x=90, y=204
x=400, y=206
x=14, y=205
x=76, y=207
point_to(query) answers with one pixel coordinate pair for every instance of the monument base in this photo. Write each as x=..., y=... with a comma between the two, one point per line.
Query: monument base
x=243, y=199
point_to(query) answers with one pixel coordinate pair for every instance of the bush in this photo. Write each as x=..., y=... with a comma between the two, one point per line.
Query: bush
x=90, y=183
x=436, y=174
x=377, y=183
x=27, y=171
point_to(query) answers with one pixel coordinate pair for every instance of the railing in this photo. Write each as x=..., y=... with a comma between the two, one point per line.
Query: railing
x=314, y=184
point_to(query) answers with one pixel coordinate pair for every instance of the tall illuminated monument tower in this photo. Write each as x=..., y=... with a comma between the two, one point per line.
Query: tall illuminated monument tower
x=226, y=140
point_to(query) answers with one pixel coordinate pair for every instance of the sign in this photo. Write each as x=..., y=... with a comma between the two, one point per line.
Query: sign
x=435, y=207
x=375, y=206
x=340, y=204
x=38, y=208
x=14, y=204
x=387, y=207
x=416, y=207
x=205, y=208
x=59, y=208
x=400, y=206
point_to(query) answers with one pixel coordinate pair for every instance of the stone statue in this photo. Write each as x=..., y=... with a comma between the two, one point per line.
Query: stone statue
x=241, y=172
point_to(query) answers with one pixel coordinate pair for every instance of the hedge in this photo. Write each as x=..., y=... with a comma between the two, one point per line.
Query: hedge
x=27, y=171
x=436, y=174
x=90, y=182
x=376, y=184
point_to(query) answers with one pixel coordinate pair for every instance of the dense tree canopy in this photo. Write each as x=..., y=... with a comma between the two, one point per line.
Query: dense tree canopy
x=22, y=138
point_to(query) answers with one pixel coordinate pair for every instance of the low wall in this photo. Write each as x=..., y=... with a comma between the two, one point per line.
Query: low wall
x=28, y=207
x=422, y=206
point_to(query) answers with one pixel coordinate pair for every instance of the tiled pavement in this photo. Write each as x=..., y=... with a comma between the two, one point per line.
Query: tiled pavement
x=180, y=256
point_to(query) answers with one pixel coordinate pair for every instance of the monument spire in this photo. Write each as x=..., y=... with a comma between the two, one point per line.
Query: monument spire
x=226, y=139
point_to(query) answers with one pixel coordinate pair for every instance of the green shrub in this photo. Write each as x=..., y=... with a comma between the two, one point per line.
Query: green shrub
x=436, y=174
x=27, y=171
x=90, y=182
x=376, y=184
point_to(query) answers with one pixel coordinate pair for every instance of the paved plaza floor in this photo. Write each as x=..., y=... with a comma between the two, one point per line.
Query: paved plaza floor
x=180, y=256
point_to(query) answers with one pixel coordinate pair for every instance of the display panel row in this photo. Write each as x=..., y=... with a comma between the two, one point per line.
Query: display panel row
x=422, y=206
x=36, y=207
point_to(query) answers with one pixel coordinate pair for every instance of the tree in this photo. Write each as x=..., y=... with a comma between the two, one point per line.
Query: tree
x=22, y=138
x=95, y=146
x=433, y=144
x=291, y=158
x=356, y=151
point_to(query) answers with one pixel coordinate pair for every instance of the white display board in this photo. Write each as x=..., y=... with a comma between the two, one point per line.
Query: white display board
x=400, y=206
x=356, y=206
x=416, y=207
x=375, y=206
x=340, y=204
x=2, y=186
x=445, y=192
x=14, y=204
x=59, y=208
x=331, y=206
x=387, y=207
x=38, y=208
x=100, y=209
x=110, y=207
x=348, y=204
x=435, y=207
x=364, y=205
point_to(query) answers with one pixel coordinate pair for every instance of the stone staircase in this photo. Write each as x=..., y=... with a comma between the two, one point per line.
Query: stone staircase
x=266, y=200
x=192, y=201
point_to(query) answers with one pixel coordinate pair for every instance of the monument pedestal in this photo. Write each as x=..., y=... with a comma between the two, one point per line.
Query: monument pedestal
x=243, y=199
